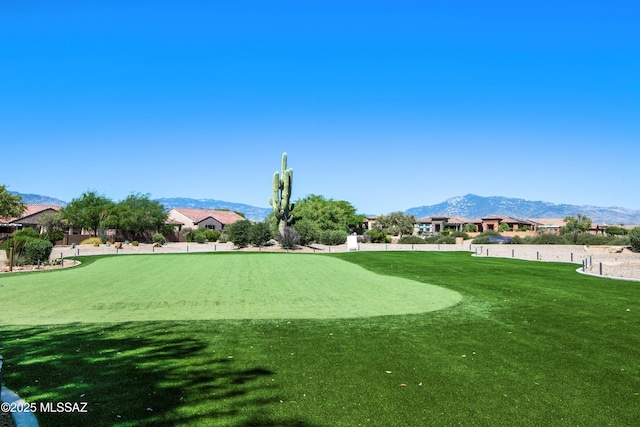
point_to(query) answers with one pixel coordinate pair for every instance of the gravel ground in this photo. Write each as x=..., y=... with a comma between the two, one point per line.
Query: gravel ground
x=599, y=260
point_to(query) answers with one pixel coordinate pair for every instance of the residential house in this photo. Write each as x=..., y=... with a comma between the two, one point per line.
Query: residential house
x=437, y=224
x=493, y=222
x=200, y=218
x=29, y=219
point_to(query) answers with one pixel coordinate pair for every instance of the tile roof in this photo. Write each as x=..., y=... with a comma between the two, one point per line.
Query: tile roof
x=30, y=211
x=199, y=215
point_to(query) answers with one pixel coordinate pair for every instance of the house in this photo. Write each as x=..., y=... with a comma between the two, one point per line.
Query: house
x=210, y=219
x=494, y=222
x=437, y=224
x=29, y=219
x=549, y=225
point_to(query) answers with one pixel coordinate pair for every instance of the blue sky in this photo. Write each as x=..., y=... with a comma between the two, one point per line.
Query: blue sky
x=389, y=105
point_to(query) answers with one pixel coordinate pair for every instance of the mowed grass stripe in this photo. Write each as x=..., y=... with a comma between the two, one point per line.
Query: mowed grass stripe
x=213, y=286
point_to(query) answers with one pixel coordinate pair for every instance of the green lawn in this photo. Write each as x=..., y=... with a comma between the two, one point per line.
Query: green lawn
x=213, y=286
x=529, y=344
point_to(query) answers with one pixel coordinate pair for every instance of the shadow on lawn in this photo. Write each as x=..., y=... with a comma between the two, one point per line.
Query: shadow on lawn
x=138, y=374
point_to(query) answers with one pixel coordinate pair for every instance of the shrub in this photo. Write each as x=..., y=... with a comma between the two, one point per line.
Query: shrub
x=188, y=233
x=378, y=236
x=135, y=243
x=448, y=240
x=199, y=238
x=483, y=238
x=159, y=238
x=516, y=240
x=410, y=240
x=27, y=232
x=307, y=230
x=260, y=234
x=288, y=238
x=37, y=250
x=212, y=235
x=634, y=239
x=28, y=250
x=91, y=241
x=545, y=239
x=333, y=237
x=462, y=234
x=238, y=232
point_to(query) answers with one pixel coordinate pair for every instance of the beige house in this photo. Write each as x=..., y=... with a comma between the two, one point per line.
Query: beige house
x=29, y=219
x=201, y=218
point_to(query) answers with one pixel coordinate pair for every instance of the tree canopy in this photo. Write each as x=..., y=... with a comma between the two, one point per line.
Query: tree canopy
x=137, y=214
x=396, y=223
x=89, y=211
x=576, y=225
x=11, y=205
x=327, y=214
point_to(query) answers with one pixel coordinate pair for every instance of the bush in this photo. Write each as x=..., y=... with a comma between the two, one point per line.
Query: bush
x=307, y=230
x=91, y=241
x=516, y=240
x=447, y=240
x=462, y=234
x=199, y=238
x=333, y=237
x=260, y=234
x=238, y=233
x=188, y=233
x=37, y=250
x=159, y=238
x=483, y=238
x=410, y=240
x=28, y=250
x=212, y=235
x=135, y=243
x=27, y=232
x=288, y=238
x=634, y=239
x=378, y=236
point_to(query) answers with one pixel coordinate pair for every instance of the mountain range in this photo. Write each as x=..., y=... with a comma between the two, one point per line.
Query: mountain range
x=468, y=206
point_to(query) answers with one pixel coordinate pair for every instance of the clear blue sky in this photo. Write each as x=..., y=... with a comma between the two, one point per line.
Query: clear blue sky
x=389, y=105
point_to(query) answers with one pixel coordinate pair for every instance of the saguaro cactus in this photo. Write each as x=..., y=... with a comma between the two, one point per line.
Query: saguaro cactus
x=281, y=199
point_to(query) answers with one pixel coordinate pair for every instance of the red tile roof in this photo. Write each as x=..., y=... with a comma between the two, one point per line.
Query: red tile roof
x=30, y=211
x=199, y=215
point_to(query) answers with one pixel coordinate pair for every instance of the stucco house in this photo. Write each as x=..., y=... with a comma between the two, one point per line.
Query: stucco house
x=29, y=219
x=210, y=219
x=436, y=224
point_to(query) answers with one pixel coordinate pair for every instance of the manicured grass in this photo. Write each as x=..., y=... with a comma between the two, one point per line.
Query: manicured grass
x=530, y=344
x=213, y=286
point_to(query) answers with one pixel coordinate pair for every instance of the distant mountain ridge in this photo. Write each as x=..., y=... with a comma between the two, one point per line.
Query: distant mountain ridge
x=37, y=199
x=472, y=206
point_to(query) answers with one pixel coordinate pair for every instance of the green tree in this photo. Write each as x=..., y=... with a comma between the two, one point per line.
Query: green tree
x=54, y=225
x=576, y=225
x=613, y=230
x=260, y=234
x=137, y=215
x=634, y=239
x=395, y=224
x=503, y=227
x=327, y=214
x=89, y=211
x=239, y=233
x=308, y=231
x=11, y=205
